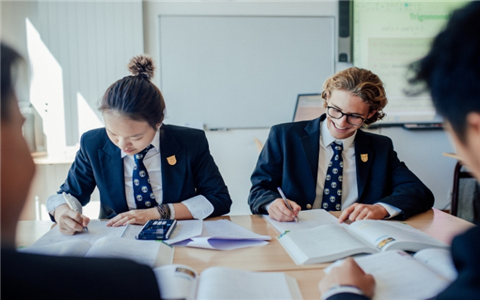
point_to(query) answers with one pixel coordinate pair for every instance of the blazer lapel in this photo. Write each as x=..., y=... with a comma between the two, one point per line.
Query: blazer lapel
x=311, y=145
x=171, y=170
x=112, y=169
x=364, y=157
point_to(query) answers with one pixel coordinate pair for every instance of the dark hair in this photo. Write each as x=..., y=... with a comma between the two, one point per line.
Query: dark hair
x=451, y=69
x=9, y=59
x=136, y=96
x=362, y=83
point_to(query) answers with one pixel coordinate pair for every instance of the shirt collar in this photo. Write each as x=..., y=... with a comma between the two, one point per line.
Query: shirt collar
x=155, y=143
x=327, y=138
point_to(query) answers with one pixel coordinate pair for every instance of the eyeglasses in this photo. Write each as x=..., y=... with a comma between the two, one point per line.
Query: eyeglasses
x=338, y=114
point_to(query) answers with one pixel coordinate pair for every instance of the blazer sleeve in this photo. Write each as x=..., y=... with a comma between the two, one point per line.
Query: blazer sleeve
x=267, y=175
x=408, y=192
x=80, y=181
x=88, y=278
x=209, y=182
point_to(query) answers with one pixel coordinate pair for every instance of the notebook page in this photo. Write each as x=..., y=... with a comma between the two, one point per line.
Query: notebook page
x=144, y=252
x=400, y=276
x=226, y=283
x=439, y=260
x=96, y=229
x=71, y=248
x=307, y=219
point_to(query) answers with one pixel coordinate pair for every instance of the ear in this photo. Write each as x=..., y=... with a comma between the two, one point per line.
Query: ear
x=159, y=125
x=370, y=114
x=473, y=125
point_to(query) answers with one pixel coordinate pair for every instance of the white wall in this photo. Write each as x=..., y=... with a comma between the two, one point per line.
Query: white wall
x=422, y=152
x=76, y=50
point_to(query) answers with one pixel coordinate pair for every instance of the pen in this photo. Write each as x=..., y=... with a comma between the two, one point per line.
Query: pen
x=72, y=205
x=286, y=202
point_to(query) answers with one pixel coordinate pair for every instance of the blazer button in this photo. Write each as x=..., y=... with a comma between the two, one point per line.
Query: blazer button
x=309, y=206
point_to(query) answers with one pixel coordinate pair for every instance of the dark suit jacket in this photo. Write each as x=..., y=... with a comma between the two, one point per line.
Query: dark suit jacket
x=465, y=253
x=32, y=276
x=289, y=159
x=98, y=163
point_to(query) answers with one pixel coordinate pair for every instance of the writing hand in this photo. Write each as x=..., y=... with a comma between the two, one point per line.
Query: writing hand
x=359, y=211
x=70, y=221
x=348, y=274
x=139, y=216
x=279, y=211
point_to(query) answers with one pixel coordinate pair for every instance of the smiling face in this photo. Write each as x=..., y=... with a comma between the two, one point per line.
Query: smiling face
x=129, y=135
x=348, y=104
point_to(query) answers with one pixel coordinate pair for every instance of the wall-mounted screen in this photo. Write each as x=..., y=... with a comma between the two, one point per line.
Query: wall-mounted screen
x=388, y=36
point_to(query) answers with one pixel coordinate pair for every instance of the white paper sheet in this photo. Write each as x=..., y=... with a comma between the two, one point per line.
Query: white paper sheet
x=306, y=219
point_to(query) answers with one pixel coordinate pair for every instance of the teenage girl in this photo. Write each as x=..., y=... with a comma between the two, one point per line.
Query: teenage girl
x=143, y=169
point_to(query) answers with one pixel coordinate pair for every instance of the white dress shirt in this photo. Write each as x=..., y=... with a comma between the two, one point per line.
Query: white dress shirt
x=199, y=206
x=349, y=183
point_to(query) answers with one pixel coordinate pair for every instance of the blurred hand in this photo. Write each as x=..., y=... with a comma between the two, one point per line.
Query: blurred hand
x=348, y=274
x=138, y=216
x=359, y=211
x=69, y=221
x=280, y=212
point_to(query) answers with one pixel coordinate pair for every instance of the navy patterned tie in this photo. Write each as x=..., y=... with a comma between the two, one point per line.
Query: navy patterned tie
x=142, y=190
x=332, y=190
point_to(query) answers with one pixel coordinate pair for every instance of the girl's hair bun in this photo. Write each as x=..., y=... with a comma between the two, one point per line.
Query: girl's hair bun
x=142, y=65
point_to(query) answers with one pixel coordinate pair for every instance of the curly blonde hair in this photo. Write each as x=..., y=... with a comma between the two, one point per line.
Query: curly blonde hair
x=362, y=83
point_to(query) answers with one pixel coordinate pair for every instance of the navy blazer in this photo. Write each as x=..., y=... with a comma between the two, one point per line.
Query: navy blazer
x=289, y=160
x=465, y=250
x=99, y=163
x=34, y=276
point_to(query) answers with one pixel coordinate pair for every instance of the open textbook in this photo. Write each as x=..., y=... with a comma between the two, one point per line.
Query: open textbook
x=182, y=282
x=334, y=241
x=102, y=241
x=399, y=275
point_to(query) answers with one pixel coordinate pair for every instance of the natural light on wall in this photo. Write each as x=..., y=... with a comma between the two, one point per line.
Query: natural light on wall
x=46, y=91
x=87, y=119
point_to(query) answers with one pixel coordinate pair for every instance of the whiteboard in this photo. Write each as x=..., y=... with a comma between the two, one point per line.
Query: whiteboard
x=388, y=36
x=241, y=71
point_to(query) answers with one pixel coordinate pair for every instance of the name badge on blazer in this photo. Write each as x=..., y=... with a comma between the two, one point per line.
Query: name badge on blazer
x=364, y=157
x=172, y=160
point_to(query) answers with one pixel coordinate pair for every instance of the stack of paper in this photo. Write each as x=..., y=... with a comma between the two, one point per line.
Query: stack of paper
x=217, y=235
x=102, y=241
x=226, y=235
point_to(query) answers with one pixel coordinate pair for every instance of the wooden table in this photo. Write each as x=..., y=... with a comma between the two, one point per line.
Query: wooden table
x=274, y=258
x=271, y=257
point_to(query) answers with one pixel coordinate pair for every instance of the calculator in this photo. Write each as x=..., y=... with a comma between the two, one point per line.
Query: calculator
x=157, y=229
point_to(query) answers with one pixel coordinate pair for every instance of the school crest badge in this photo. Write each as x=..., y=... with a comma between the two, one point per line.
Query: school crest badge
x=364, y=157
x=172, y=160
